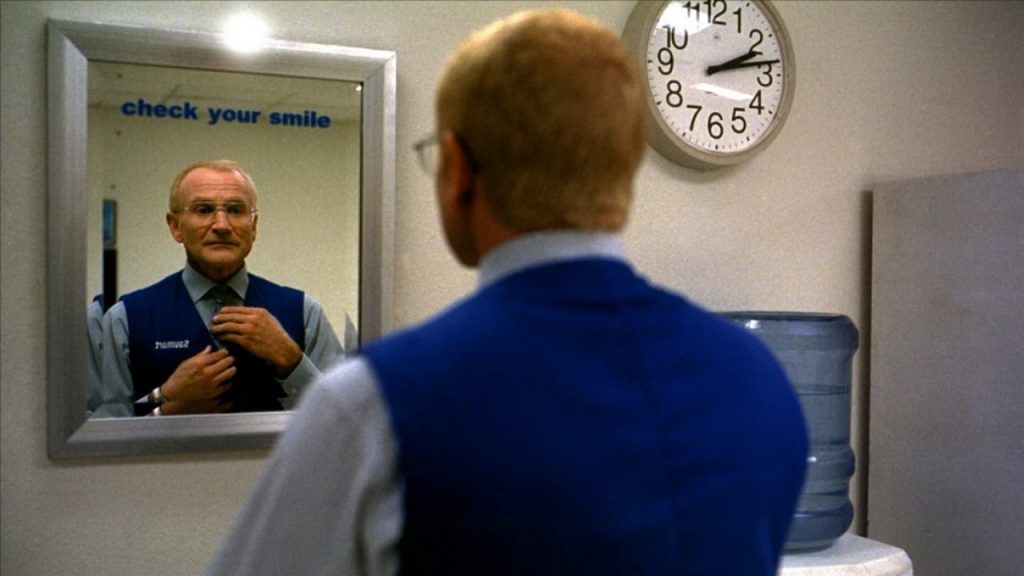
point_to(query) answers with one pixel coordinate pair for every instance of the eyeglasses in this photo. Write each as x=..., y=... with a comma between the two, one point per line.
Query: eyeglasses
x=236, y=212
x=427, y=153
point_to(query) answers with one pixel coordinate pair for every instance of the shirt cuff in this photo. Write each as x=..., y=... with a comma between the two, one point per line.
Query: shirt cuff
x=300, y=377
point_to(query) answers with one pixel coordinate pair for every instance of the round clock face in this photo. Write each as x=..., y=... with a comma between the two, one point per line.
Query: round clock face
x=719, y=76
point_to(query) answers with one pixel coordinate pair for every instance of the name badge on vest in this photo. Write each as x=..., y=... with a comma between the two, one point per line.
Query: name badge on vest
x=170, y=344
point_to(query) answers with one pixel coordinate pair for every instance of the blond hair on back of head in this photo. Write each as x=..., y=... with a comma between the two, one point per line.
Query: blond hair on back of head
x=549, y=105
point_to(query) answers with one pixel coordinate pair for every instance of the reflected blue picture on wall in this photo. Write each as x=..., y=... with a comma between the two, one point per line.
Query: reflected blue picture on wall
x=109, y=223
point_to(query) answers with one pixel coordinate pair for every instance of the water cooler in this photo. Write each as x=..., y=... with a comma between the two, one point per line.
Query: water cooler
x=816, y=352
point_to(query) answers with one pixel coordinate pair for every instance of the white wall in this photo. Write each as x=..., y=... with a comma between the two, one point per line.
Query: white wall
x=886, y=90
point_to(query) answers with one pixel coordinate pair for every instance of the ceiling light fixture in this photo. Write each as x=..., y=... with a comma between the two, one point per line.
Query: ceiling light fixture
x=246, y=33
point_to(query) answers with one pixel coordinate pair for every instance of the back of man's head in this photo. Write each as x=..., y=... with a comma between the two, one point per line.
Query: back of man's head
x=549, y=106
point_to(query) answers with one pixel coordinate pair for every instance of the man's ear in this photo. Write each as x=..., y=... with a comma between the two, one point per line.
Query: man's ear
x=172, y=225
x=459, y=177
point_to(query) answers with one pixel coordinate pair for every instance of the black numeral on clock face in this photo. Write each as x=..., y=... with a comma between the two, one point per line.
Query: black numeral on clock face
x=755, y=103
x=672, y=42
x=674, y=95
x=715, y=122
x=715, y=10
x=666, y=61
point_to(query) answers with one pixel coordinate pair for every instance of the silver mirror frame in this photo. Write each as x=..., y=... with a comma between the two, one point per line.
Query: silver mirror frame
x=71, y=45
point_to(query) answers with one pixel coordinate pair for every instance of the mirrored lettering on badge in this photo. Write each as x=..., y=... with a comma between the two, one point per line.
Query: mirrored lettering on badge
x=170, y=344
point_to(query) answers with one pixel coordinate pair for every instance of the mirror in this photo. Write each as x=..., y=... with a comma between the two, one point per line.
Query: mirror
x=129, y=107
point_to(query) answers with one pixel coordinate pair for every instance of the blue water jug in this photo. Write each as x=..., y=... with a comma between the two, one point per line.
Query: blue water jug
x=815, y=351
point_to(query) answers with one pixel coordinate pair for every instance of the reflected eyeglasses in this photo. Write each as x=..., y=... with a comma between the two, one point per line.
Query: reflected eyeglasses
x=236, y=212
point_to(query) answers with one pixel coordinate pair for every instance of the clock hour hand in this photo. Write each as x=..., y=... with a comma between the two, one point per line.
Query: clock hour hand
x=739, y=62
x=732, y=63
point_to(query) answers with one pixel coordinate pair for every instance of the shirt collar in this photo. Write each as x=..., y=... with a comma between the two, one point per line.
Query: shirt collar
x=541, y=248
x=198, y=285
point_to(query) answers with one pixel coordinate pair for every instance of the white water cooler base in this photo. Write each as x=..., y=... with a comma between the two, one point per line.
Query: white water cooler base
x=851, y=555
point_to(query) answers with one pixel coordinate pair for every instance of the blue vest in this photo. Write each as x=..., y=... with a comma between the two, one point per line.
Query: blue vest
x=164, y=329
x=573, y=419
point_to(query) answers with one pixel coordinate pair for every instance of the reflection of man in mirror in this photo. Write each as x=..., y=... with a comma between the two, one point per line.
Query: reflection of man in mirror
x=212, y=337
x=94, y=330
x=568, y=417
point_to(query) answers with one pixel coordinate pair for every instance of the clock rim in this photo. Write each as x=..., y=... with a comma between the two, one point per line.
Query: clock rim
x=660, y=135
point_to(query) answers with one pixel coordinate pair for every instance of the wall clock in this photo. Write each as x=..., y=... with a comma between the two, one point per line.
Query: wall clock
x=719, y=77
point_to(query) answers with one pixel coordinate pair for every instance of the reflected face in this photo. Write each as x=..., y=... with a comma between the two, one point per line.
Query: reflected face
x=213, y=217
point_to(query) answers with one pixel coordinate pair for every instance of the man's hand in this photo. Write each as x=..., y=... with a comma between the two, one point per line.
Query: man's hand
x=260, y=334
x=198, y=383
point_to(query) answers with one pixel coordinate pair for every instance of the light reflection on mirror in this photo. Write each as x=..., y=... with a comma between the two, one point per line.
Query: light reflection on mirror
x=297, y=137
